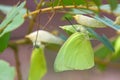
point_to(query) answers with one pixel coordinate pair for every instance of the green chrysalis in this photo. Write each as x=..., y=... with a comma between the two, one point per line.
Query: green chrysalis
x=38, y=65
x=75, y=54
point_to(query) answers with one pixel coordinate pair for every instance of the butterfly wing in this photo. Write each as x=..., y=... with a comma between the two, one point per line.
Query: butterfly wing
x=75, y=54
x=38, y=65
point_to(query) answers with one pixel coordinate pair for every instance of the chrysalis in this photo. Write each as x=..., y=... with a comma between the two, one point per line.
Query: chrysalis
x=44, y=37
x=88, y=21
x=75, y=54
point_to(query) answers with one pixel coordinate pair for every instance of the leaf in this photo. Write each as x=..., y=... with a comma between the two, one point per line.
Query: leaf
x=70, y=29
x=113, y=4
x=4, y=41
x=6, y=72
x=17, y=21
x=116, y=55
x=68, y=2
x=11, y=15
x=101, y=67
x=81, y=11
x=97, y=2
x=117, y=45
x=106, y=7
x=11, y=19
x=38, y=65
x=79, y=2
x=46, y=38
x=69, y=16
x=75, y=54
x=88, y=21
x=108, y=22
x=6, y=9
x=102, y=52
x=103, y=39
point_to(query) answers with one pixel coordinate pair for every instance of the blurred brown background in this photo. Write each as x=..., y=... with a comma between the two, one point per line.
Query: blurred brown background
x=25, y=52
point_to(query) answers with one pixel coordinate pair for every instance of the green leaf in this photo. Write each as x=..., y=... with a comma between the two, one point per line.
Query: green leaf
x=69, y=16
x=4, y=41
x=116, y=55
x=12, y=19
x=75, y=54
x=103, y=39
x=106, y=7
x=68, y=2
x=108, y=22
x=113, y=4
x=101, y=67
x=6, y=9
x=16, y=22
x=6, y=72
x=38, y=65
x=117, y=45
x=97, y=2
x=102, y=52
x=11, y=15
x=70, y=29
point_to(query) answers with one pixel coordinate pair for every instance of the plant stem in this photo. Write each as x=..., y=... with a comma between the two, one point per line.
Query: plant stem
x=94, y=8
x=33, y=20
x=19, y=75
x=14, y=47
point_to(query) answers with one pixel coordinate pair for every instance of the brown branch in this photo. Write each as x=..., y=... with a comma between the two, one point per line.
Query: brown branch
x=19, y=74
x=57, y=8
x=17, y=61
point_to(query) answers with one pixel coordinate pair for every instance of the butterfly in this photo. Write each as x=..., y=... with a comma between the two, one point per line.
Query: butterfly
x=75, y=54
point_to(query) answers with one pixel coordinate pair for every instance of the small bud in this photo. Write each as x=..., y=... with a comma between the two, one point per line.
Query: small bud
x=88, y=21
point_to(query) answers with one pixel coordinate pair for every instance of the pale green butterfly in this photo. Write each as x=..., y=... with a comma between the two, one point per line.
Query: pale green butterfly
x=38, y=65
x=75, y=54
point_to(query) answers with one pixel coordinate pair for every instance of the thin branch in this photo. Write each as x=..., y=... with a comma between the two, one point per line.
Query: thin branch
x=17, y=61
x=51, y=17
x=57, y=8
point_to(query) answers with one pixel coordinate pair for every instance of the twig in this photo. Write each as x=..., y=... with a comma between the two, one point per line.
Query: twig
x=49, y=20
x=33, y=20
x=17, y=61
x=57, y=8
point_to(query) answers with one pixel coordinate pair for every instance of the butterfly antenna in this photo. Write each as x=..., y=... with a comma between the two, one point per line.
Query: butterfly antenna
x=70, y=23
